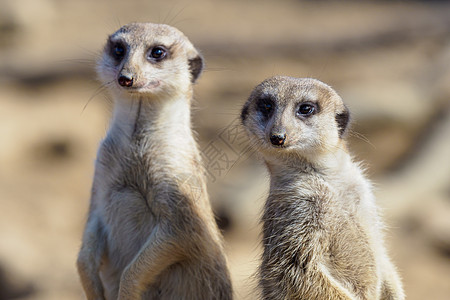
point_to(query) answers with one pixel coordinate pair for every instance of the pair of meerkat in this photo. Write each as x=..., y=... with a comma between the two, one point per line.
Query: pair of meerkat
x=151, y=233
x=322, y=235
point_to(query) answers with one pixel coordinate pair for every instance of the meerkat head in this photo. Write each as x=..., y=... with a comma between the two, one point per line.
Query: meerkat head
x=150, y=60
x=301, y=115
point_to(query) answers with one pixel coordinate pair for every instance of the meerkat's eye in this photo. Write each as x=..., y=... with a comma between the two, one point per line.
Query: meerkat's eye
x=118, y=51
x=157, y=53
x=306, y=109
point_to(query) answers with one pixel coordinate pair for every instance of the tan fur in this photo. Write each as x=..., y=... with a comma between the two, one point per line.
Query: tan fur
x=322, y=233
x=151, y=233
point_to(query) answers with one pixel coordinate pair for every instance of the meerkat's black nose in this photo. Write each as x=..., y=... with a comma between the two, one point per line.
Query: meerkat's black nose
x=126, y=81
x=278, y=139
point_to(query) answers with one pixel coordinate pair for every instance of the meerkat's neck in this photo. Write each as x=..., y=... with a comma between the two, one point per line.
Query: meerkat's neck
x=162, y=126
x=324, y=164
x=133, y=114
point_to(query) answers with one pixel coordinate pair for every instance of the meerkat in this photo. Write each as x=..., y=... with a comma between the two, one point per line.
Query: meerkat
x=322, y=234
x=150, y=232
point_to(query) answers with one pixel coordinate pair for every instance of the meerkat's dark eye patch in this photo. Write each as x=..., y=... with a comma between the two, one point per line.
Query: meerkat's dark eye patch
x=118, y=51
x=265, y=106
x=157, y=53
x=307, y=109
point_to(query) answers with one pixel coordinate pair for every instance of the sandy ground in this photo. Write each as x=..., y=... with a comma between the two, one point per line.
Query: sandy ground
x=389, y=61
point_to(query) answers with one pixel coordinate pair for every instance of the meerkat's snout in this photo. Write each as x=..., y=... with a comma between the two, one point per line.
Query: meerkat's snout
x=277, y=129
x=125, y=80
x=278, y=139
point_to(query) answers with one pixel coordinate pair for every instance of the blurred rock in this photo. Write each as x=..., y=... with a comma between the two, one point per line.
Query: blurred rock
x=436, y=224
x=12, y=287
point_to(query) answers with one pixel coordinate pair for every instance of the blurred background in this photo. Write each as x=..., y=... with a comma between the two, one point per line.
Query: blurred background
x=389, y=60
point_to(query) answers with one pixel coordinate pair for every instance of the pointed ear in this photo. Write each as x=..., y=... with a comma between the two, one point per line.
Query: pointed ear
x=195, y=61
x=196, y=67
x=343, y=120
